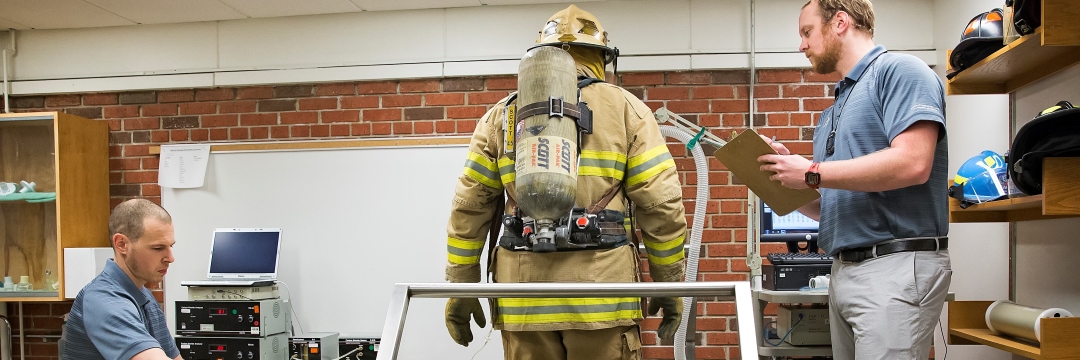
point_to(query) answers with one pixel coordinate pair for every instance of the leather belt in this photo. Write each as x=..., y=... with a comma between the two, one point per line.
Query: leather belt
x=894, y=246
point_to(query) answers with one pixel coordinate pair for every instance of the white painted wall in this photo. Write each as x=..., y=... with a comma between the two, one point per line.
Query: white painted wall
x=979, y=251
x=462, y=41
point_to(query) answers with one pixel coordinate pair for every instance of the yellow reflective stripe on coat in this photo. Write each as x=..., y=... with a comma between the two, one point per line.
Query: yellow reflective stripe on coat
x=648, y=164
x=602, y=163
x=463, y=252
x=506, y=170
x=665, y=253
x=567, y=310
x=480, y=168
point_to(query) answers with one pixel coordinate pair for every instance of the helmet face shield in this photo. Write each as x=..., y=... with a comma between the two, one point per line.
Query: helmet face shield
x=982, y=178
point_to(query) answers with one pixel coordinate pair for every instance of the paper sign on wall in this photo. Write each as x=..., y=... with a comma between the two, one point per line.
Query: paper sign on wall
x=183, y=166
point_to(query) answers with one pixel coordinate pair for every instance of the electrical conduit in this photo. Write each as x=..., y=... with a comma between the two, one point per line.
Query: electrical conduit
x=702, y=168
x=6, y=53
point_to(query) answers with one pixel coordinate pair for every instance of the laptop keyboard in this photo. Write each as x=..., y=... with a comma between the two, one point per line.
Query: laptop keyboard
x=233, y=282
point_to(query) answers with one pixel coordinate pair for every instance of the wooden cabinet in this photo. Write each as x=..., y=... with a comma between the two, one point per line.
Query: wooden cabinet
x=1036, y=71
x=67, y=159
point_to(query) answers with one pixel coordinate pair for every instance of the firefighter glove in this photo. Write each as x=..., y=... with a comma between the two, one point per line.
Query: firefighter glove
x=672, y=314
x=458, y=311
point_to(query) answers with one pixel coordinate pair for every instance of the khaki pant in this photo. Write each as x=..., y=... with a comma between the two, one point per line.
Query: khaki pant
x=886, y=308
x=618, y=343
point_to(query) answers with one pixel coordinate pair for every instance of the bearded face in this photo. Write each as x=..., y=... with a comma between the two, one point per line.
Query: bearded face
x=824, y=62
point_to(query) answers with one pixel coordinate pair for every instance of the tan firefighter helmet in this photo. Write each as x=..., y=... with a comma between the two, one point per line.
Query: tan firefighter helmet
x=573, y=26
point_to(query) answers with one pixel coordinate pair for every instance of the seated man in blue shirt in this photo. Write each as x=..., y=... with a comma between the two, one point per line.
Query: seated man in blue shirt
x=115, y=317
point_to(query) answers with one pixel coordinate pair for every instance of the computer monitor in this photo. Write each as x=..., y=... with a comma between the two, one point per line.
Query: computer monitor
x=792, y=229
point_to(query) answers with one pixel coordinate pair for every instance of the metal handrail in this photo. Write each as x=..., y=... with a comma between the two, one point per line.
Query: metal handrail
x=399, y=304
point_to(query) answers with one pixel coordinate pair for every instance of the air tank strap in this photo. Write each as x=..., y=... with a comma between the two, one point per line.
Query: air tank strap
x=584, y=81
x=553, y=107
x=603, y=202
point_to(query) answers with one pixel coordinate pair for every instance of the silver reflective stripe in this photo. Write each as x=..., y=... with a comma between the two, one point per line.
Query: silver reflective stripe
x=569, y=309
x=645, y=166
x=463, y=252
x=664, y=253
x=477, y=167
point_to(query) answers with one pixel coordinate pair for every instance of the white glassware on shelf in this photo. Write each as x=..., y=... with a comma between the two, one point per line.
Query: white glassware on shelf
x=24, y=284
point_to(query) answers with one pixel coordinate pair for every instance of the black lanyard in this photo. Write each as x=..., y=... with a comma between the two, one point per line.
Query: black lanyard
x=835, y=120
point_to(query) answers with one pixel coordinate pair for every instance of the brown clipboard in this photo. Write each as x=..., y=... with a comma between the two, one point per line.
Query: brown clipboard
x=740, y=156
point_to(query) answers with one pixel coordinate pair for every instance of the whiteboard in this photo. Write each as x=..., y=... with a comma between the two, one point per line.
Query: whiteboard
x=354, y=222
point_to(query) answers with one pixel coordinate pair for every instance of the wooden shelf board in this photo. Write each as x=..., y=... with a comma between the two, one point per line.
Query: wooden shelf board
x=967, y=326
x=1061, y=24
x=1026, y=202
x=1018, y=64
x=30, y=296
x=1060, y=186
x=1061, y=198
x=985, y=337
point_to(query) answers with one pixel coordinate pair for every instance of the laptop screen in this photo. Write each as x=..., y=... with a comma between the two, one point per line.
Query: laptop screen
x=245, y=253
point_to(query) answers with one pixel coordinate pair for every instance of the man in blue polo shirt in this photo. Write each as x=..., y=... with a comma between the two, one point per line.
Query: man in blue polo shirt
x=880, y=163
x=115, y=317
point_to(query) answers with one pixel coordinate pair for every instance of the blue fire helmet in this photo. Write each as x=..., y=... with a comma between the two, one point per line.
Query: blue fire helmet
x=982, y=178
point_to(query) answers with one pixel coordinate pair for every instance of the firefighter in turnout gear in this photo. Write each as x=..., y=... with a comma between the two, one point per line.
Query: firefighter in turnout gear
x=625, y=176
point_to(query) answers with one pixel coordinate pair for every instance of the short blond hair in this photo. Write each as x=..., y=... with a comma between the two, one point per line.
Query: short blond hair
x=861, y=12
x=127, y=218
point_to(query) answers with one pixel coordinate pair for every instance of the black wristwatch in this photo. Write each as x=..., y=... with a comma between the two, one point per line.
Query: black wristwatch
x=813, y=177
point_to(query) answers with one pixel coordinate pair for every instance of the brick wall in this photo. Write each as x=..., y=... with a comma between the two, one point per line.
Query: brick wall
x=788, y=101
x=41, y=323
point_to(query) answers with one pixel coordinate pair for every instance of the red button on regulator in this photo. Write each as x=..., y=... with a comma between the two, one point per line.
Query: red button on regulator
x=582, y=222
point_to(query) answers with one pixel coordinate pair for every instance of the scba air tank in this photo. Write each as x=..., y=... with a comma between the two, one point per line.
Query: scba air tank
x=546, y=147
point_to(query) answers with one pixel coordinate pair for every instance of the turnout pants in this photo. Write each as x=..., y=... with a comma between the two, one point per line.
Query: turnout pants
x=887, y=307
x=617, y=343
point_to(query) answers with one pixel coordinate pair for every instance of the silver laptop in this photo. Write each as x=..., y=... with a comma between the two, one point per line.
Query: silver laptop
x=242, y=257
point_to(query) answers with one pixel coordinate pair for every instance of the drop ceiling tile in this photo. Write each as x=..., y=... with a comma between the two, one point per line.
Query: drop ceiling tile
x=59, y=14
x=275, y=8
x=529, y=2
x=383, y=5
x=169, y=11
x=9, y=24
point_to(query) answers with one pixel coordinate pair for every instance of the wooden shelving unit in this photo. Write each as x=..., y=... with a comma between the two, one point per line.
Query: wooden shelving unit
x=66, y=156
x=1027, y=61
x=967, y=326
x=1052, y=47
x=1060, y=198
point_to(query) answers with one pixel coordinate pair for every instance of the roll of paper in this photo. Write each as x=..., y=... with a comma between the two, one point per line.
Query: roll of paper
x=1005, y=317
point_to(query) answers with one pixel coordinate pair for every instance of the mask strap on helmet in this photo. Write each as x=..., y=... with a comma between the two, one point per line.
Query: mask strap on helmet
x=615, y=64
